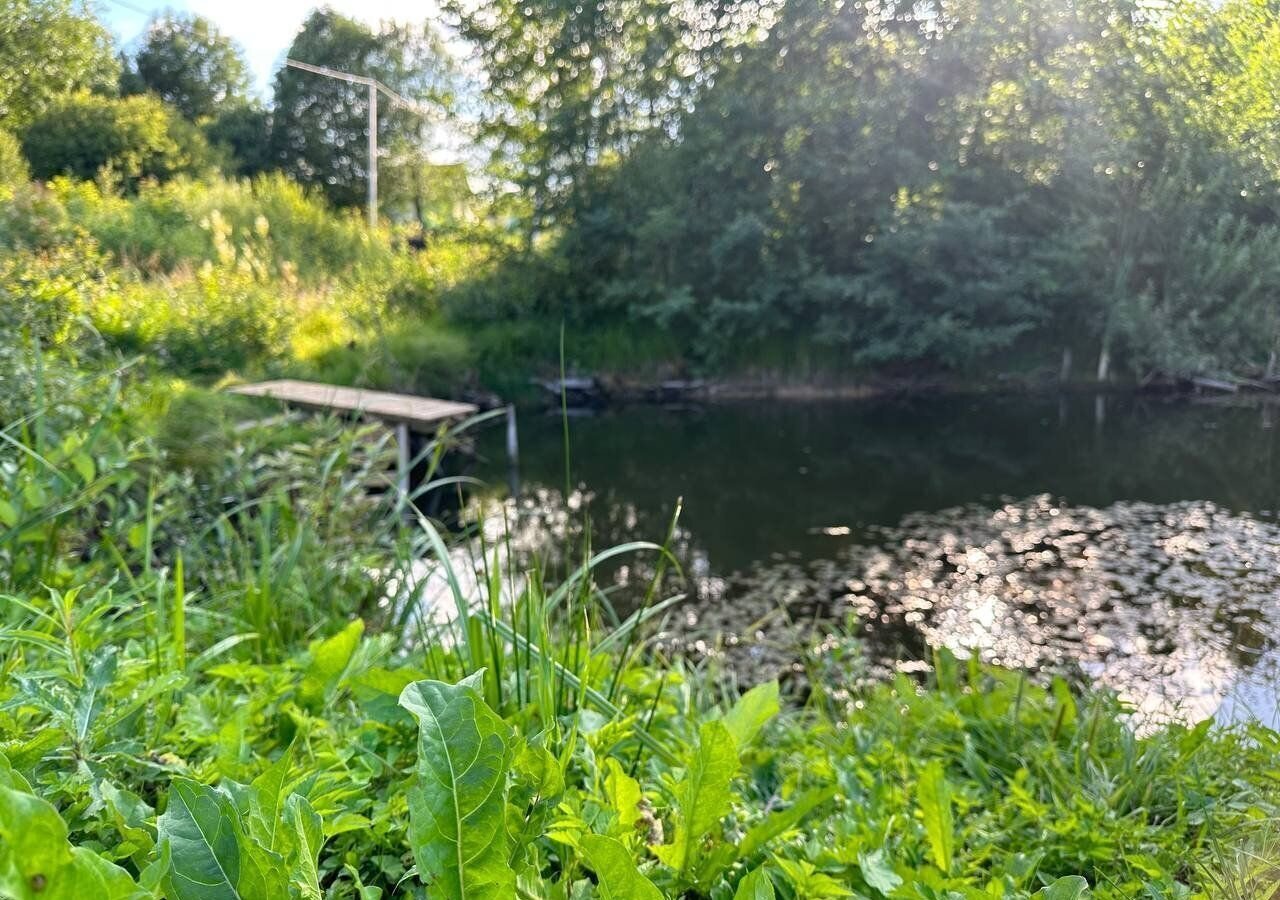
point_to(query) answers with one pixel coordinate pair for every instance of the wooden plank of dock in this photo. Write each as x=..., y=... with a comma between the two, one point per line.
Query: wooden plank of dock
x=414, y=412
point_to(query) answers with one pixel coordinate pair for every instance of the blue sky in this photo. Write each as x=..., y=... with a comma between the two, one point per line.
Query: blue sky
x=263, y=28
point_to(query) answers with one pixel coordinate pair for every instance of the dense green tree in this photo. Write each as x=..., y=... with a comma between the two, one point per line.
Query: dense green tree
x=569, y=84
x=48, y=48
x=320, y=124
x=241, y=133
x=935, y=184
x=129, y=138
x=190, y=65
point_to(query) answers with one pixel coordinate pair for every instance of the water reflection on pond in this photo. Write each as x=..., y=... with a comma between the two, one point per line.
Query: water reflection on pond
x=1130, y=539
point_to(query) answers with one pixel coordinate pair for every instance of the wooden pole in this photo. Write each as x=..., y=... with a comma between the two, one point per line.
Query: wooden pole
x=403, y=457
x=373, y=154
x=513, y=451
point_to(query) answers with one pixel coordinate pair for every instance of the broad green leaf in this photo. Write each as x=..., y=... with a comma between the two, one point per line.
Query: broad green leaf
x=377, y=691
x=1072, y=887
x=37, y=862
x=753, y=709
x=877, y=872
x=616, y=871
x=130, y=815
x=457, y=805
x=89, y=700
x=329, y=660
x=11, y=778
x=756, y=886
x=624, y=796
x=702, y=796
x=83, y=464
x=935, y=808
x=535, y=790
x=26, y=754
x=266, y=797
x=808, y=882
x=305, y=839
x=212, y=857
x=783, y=820
x=92, y=876
x=538, y=776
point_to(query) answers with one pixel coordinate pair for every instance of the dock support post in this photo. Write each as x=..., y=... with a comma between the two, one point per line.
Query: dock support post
x=403, y=458
x=513, y=451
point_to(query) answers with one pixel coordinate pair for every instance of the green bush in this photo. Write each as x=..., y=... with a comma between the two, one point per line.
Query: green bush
x=419, y=356
x=48, y=295
x=204, y=323
x=14, y=172
x=130, y=139
x=270, y=224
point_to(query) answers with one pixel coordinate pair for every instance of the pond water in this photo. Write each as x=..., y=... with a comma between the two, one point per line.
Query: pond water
x=1134, y=540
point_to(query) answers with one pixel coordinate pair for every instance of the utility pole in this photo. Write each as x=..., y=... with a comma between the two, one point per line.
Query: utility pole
x=375, y=87
x=373, y=154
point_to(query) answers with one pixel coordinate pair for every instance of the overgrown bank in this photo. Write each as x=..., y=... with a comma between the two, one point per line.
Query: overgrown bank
x=254, y=279
x=208, y=694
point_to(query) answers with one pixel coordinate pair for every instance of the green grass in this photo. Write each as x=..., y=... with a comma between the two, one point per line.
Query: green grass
x=194, y=628
x=217, y=619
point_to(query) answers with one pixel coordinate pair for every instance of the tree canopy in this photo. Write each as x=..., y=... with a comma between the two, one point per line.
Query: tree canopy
x=189, y=64
x=320, y=124
x=132, y=138
x=49, y=48
x=929, y=184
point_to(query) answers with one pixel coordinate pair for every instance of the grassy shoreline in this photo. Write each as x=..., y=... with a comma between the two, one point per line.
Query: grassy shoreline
x=213, y=628
x=194, y=636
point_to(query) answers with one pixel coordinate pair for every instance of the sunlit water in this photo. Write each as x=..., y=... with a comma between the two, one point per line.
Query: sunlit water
x=1131, y=540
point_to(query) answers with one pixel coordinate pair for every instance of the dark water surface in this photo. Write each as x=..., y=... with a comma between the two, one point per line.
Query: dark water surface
x=1134, y=539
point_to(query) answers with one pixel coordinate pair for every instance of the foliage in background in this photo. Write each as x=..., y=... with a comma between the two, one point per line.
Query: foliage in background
x=254, y=277
x=320, y=124
x=125, y=140
x=186, y=62
x=960, y=190
x=58, y=47
x=934, y=188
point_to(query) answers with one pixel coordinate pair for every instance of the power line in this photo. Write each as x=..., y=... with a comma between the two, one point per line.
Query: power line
x=395, y=97
x=375, y=87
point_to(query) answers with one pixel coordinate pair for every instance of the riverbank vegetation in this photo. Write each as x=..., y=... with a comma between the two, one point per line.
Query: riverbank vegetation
x=789, y=189
x=237, y=665
x=235, y=668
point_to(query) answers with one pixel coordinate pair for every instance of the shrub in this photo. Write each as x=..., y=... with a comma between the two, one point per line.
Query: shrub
x=418, y=356
x=14, y=172
x=46, y=294
x=214, y=320
x=132, y=138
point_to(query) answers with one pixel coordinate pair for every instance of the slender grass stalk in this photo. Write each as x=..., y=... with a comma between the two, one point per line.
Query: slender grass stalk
x=179, y=616
x=592, y=696
x=564, y=420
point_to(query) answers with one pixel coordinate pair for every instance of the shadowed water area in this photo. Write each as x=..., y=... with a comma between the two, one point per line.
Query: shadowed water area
x=1133, y=540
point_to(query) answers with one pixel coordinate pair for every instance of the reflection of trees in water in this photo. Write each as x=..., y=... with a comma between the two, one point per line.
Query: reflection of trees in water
x=1171, y=604
x=760, y=479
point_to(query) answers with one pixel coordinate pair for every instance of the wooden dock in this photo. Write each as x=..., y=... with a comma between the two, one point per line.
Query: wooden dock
x=423, y=414
x=405, y=412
